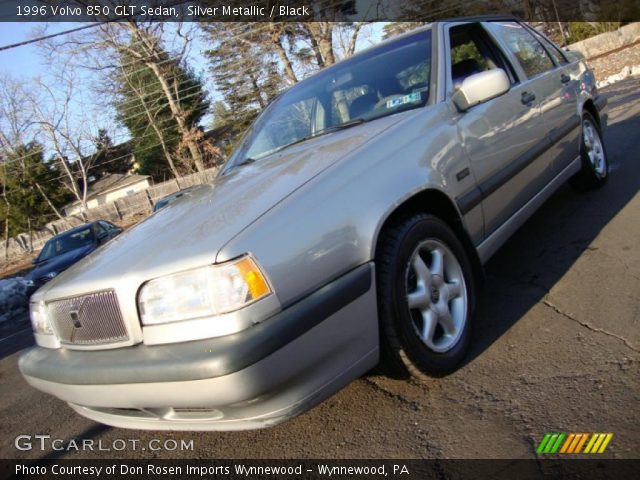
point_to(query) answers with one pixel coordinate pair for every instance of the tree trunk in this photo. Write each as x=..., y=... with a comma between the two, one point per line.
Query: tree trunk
x=276, y=41
x=30, y=235
x=74, y=185
x=178, y=115
x=311, y=28
x=321, y=40
x=326, y=46
x=55, y=210
x=351, y=49
x=6, y=233
x=256, y=89
x=152, y=122
x=153, y=61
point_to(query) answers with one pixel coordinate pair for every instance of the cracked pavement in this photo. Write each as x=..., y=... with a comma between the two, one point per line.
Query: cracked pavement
x=555, y=348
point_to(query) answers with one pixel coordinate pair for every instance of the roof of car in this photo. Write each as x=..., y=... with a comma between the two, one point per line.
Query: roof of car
x=428, y=26
x=76, y=229
x=178, y=193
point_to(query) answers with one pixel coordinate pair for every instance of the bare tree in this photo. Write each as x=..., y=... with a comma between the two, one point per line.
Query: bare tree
x=151, y=113
x=114, y=52
x=16, y=122
x=16, y=129
x=67, y=131
x=144, y=44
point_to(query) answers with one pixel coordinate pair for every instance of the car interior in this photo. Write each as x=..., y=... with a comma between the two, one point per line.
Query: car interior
x=473, y=52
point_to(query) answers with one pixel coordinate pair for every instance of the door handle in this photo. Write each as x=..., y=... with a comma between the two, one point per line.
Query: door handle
x=565, y=78
x=528, y=98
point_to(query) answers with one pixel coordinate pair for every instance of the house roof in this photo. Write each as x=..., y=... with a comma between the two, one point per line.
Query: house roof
x=111, y=183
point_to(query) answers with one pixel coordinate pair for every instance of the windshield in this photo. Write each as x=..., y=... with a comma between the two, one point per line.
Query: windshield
x=66, y=242
x=383, y=81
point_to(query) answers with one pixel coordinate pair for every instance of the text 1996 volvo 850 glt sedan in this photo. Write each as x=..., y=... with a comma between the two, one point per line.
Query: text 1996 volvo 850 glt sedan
x=353, y=219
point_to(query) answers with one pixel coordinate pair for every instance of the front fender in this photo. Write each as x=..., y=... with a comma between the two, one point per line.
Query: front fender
x=331, y=224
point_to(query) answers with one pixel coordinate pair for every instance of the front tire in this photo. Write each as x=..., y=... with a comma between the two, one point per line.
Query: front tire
x=595, y=163
x=426, y=296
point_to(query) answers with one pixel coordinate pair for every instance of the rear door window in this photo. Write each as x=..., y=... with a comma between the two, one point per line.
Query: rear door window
x=554, y=51
x=529, y=52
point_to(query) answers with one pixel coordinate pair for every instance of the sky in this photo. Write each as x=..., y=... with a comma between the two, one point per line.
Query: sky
x=26, y=62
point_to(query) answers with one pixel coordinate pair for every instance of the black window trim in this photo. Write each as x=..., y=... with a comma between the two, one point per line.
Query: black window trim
x=512, y=54
x=539, y=35
x=489, y=42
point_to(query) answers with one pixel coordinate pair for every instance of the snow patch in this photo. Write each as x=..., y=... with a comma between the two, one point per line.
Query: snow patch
x=626, y=72
x=14, y=298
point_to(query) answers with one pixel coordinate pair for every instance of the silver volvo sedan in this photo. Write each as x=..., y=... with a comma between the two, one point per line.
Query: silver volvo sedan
x=350, y=224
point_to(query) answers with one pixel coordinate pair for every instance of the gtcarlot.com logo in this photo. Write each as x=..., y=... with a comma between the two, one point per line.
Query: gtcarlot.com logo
x=573, y=443
x=47, y=443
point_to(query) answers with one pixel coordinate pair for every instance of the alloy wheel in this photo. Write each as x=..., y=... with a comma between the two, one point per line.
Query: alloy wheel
x=593, y=148
x=436, y=295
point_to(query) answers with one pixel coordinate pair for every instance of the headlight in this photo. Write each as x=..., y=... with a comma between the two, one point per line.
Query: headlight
x=40, y=319
x=202, y=292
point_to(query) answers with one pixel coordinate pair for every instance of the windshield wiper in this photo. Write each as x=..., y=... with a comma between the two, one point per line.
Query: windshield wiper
x=246, y=161
x=341, y=126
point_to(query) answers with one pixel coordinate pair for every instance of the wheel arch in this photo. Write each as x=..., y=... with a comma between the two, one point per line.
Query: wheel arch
x=590, y=106
x=439, y=204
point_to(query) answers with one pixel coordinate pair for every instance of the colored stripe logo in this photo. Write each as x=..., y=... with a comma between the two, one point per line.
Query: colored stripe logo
x=573, y=443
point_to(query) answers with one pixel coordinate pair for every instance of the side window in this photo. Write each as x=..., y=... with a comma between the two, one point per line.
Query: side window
x=99, y=229
x=532, y=57
x=106, y=226
x=554, y=51
x=472, y=52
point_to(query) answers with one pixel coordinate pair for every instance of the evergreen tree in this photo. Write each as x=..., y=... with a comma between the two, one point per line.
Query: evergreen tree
x=392, y=29
x=110, y=158
x=246, y=76
x=143, y=107
x=31, y=190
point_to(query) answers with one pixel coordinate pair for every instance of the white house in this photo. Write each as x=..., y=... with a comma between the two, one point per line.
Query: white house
x=110, y=188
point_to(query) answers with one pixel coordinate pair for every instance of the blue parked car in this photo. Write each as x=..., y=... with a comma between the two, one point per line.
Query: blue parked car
x=63, y=250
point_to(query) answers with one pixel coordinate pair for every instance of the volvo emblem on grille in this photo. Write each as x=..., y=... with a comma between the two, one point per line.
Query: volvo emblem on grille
x=75, y=318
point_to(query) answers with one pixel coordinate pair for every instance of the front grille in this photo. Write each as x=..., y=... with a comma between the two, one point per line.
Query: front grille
x=92, y=319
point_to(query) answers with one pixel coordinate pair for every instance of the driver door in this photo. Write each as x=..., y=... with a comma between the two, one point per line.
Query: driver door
x=501, y=137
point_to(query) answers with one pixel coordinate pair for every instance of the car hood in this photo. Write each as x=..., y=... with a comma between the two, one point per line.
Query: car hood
x=59, y=263
x=189, y=232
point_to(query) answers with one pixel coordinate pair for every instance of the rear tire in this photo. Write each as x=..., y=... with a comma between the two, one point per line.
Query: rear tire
x=595, y=162
x=426, y=297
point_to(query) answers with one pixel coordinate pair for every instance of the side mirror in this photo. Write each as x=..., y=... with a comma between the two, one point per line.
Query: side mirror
x=481, y=87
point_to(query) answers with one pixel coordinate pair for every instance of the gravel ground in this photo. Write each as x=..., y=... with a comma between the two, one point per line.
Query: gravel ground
x=613, y=63
x=556, y=348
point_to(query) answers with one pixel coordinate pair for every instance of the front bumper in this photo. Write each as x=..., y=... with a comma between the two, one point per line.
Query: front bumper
x=252, y=379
